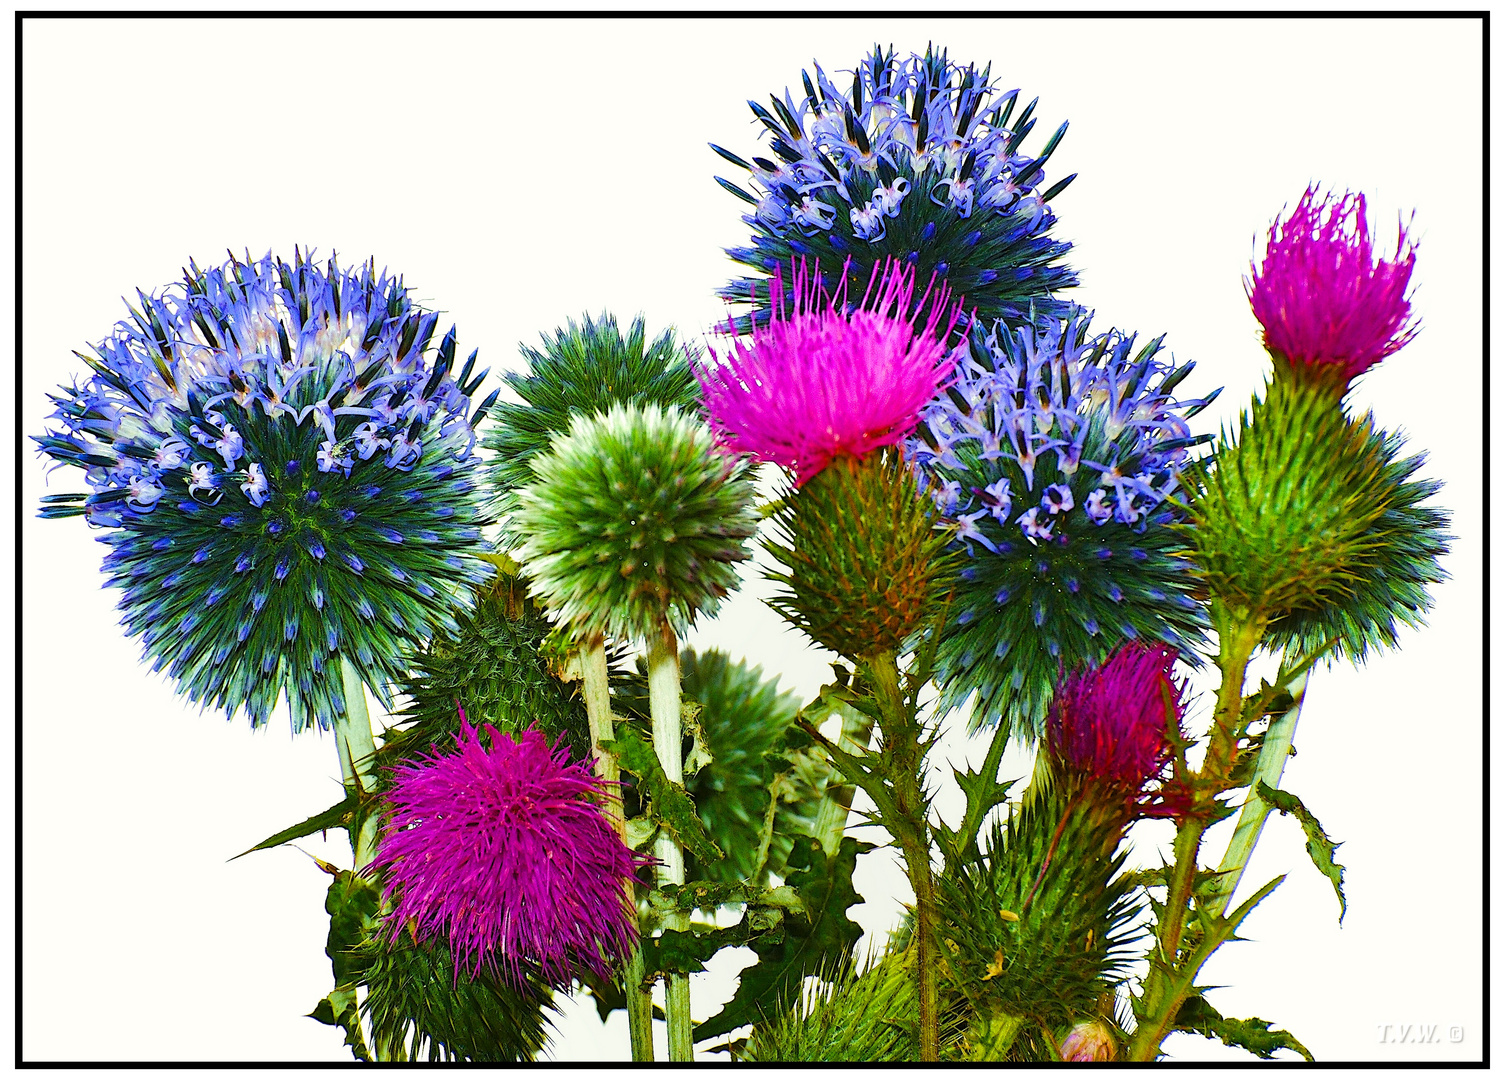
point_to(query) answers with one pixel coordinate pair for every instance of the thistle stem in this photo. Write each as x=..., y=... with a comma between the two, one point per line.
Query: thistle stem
x=909, y=827
x=663, y=704
x=1167, y=985
x=356, y=747
x=596, y=689
x=1269, y=766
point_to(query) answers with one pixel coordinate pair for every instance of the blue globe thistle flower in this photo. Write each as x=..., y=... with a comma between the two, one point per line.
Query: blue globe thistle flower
x=1057, y=459
x=921, y=162
x=284, y=470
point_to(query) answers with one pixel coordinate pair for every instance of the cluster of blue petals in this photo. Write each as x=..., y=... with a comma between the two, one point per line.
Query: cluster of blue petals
x=282, y=464
x=1057, y=457
x=919, y=160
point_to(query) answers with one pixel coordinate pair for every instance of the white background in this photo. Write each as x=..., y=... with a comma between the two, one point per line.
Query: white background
x=521, y=172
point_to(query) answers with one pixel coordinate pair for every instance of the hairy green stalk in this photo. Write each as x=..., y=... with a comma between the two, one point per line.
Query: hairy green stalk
x=663, y=704
x=905, y=817
x=356, y=747
x=1273, y=753
x=1170, y=978
x=595, y=678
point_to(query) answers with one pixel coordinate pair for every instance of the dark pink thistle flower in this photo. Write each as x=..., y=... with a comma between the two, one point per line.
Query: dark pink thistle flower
x=1112, y=725
x=824, y=378
x=1326, y=302
x=506, y=853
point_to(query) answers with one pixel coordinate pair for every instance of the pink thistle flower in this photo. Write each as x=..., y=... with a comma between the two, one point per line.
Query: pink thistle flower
x=506, y=852
x=1325, y=301
x=1110, y=724
x=819, y=380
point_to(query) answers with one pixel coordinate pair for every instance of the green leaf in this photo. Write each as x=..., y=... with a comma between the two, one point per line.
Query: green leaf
x=670, y=805
x=1254, y=1034
x=685, y=951
x=1319, y=845
x=821, y=936
x=352, y=903
x=336, y=817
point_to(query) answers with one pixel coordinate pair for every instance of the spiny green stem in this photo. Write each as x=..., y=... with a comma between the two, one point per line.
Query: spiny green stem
x=595, y=678
x=356, y=746
x=908, y=825
x=663, y=704
x=1166, y=985
x=1268, y=767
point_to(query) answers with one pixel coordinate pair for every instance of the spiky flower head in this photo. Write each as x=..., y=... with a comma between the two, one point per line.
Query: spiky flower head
x=1398, y=556
x=415, y=1001
x=1305, y=519
x=1111, y=728
x=920, y=162
x=284, y=470
x=501, y=849
x=637, y=519
x=584, y=369
x=494, y=667
x=826, y=376
x=1330, y=307
x=865, y=560
x=1057, y=458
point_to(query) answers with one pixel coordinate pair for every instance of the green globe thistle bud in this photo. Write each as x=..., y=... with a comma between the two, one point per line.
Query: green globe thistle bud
x=493, y=669
x=584, y=369
x=865, y=559
x=636, y=520
x=1285, y=516
x=417, y=1002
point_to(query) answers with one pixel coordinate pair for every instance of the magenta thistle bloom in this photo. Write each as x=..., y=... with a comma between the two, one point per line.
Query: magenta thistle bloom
x=821, y=380
x=506, y=852
x=1323, y=297
x=1109, y=724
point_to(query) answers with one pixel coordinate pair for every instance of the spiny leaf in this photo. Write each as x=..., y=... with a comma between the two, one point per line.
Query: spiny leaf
x=820, y=937
x=1254, y=1034
x=336, y=817
x=670, y=804
x=352, y=903
x=1319, y=845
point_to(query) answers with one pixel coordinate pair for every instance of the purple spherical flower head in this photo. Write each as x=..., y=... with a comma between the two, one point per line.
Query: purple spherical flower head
x=506, y=852
x=1109, y=724
x=1323, y=297
x=824, y=378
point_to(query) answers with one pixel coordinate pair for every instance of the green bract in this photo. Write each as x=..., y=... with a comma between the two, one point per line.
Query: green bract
x=583, y=370
x=1288, y=515
x=636, y=520
x=1399, y=561
x=492, y=668
x=419, y=1006
x=865, y=559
